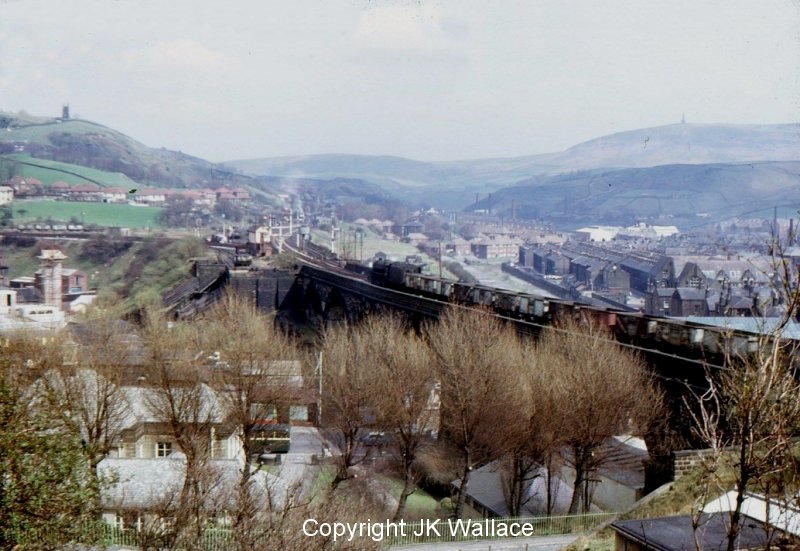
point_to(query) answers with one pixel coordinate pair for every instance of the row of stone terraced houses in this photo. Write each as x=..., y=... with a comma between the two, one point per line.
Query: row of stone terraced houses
x=671, y=285
x=91, y=192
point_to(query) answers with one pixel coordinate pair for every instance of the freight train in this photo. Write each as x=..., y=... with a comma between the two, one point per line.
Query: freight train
x=408, y=278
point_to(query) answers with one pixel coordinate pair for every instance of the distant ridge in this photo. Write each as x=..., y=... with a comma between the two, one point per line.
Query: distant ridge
x=685, y=143
x=682, y=143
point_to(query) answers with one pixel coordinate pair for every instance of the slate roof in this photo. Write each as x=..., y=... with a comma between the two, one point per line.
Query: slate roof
x=690, y=293
x=676, y=534
x=665, y=292
x=148, y=483
x=141, y=399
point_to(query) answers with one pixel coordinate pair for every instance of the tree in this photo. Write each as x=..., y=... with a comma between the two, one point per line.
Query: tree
x=6, y=216
x=748, y=417
x=9, y=168
x=179, y=212
x=347, y=392
x=87, y=389
x=404, y=396
x=45, y=501
x=181, y=399
x=608, y=391
x=532, y=437
x=750, y=412
x=229, y=210
x=254, y=378
x=472, y=353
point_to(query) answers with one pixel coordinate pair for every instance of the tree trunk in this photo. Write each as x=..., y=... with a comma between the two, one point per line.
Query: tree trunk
x=549, y=481
x=577, y=486
x=741, y=489
x=515, y=487
x=408, y=489
x=462, y=490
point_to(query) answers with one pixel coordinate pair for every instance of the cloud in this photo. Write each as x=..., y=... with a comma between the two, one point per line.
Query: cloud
x=176, y=55
x=408, y=31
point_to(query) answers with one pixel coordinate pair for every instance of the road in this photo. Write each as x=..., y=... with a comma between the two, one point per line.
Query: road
x=296, y=463
x=543, y=543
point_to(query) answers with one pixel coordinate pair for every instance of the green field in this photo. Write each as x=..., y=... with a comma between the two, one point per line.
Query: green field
x=53, y=171
x=102, y=214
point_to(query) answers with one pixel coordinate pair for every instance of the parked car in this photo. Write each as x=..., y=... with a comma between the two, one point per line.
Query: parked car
x=376, y=438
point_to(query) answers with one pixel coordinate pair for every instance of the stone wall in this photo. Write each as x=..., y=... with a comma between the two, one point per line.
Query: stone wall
x=686, y=460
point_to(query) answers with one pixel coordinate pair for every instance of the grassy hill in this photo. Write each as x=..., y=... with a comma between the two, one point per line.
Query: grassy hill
x=49, y=172
x=88, y=144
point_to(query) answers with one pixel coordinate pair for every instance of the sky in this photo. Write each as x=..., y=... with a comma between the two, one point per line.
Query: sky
x=424, y=79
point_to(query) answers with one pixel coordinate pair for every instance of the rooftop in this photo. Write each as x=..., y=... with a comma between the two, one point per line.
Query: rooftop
x=676, y=533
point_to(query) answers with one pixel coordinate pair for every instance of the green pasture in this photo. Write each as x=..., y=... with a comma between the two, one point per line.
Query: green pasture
x=50, y=172
x=102, y=214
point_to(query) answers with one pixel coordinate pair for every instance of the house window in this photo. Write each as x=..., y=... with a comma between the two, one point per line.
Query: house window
x=263, y=411
x=163, y=449
x=119, y=522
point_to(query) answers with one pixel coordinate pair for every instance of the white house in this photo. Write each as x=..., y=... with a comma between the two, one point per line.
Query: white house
x=6, y=195
x=150, y=196
x=598, y=233
x=114, y=195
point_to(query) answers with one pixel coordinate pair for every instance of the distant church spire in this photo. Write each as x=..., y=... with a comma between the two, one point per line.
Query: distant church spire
x=683, y=118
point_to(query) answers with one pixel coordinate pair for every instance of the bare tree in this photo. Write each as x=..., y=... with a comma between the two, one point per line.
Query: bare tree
x=748, y=417
x=347, y=393
x=473, y=352
x=405, y=393
x=751, y=409
x=607, y=390
x=188, y=407
x=253, y=372
x=532, y=436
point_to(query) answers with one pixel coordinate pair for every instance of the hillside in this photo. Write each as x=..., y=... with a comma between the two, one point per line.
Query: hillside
x=88, y=144
x=455, y=183
x=132, y=270
x=685, y=195
x=684, y=144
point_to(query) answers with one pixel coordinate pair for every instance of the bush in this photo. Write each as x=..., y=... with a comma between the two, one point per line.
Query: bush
x=101, y=249
x=20, y=242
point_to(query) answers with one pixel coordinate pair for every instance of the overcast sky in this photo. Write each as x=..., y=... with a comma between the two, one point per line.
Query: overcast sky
x=428, y=79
